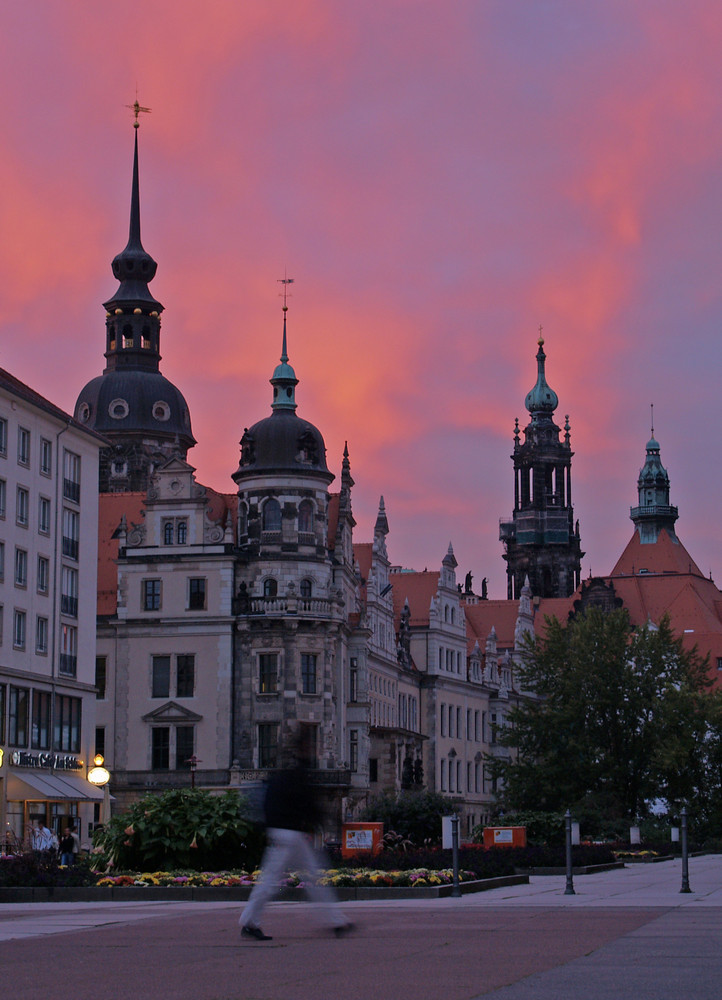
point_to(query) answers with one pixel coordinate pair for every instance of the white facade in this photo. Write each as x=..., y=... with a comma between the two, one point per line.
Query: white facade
x=48, y=576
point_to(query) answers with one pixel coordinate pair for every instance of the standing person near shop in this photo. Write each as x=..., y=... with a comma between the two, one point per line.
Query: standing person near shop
x=43, y=839
x=292, y=811
x=69, y=846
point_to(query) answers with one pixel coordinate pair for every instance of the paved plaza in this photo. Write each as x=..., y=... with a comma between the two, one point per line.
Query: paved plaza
x=626, y=933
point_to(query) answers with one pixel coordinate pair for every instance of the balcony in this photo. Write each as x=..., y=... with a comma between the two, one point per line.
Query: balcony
x=311, y=607
x=70, y=548
x=69, y=605
x=71, y=490
x=68, y=664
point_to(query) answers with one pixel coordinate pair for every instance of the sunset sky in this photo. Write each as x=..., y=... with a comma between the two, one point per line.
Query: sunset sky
x=439, y=178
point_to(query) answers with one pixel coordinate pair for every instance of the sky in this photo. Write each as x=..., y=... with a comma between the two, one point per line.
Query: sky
x=440, y=179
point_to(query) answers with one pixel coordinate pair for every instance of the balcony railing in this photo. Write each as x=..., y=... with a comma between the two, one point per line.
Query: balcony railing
x=68, y=664
x=69, y=605
x=315, y=607
x=70, y=547
x=71, y=490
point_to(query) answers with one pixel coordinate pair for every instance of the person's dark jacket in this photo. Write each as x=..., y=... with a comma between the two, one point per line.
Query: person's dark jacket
x=290, y=801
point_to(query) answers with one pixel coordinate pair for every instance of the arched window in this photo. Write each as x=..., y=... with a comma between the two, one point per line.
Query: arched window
x=270, y=587
x=182, y=532
x=242, y=520
x=305, y=516
x=272, y=515
x=168, y=533
x=306, y=588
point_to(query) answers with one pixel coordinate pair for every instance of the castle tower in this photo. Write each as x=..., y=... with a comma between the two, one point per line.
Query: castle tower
x=144, y=416
x=541, y=540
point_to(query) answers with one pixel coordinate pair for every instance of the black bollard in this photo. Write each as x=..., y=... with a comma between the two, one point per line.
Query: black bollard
x=685, y=853
x=569, y=891
x=456, y=891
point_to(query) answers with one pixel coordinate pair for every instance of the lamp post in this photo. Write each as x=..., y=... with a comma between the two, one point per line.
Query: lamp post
x=100, y=776
x=193, y=762
x=685, y=854
x=456, y=890
x=569, y=891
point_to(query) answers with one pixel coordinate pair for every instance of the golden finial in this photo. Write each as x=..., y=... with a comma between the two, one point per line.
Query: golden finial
x=136, y=108
x=541, y=339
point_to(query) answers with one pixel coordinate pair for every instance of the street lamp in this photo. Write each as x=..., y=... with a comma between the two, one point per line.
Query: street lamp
x=193, y=762
x=100, y=776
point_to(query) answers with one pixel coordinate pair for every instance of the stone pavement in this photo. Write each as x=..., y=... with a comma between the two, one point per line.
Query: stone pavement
x=625, y=933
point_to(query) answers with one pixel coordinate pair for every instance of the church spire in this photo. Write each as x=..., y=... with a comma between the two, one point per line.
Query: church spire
x=133, y=314
x=654, y=512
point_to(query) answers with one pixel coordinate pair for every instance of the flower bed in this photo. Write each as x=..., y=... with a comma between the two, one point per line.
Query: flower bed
x=337, y=877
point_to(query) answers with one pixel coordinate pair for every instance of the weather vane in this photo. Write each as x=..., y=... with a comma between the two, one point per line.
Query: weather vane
x=285, y=282
x=136, y=108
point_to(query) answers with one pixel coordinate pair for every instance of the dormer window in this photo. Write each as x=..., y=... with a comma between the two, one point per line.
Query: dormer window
x=175, y=531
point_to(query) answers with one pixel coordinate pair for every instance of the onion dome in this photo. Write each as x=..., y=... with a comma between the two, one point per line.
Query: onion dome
x=541, y=399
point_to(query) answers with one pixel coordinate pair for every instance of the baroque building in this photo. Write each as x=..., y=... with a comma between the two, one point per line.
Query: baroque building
x=541, y=540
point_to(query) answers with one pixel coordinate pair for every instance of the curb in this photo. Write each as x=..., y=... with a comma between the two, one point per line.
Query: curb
x=222, y=894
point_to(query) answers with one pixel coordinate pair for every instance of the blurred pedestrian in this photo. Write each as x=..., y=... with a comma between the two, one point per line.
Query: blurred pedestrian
x=292, y=812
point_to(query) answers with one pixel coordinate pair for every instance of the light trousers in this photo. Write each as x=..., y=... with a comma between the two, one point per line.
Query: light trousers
x=287, y=850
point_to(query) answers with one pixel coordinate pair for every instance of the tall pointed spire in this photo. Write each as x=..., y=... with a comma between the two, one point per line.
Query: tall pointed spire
x=284, y=379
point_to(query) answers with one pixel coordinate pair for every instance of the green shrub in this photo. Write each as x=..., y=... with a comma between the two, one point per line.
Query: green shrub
x=414, y=816
x=182, y=828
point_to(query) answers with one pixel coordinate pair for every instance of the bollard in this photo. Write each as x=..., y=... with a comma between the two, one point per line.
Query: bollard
x=569, y=891
x=685, y=854
x=456, y=891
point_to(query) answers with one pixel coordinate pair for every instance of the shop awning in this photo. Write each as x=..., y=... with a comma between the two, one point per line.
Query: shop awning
x=50, y=786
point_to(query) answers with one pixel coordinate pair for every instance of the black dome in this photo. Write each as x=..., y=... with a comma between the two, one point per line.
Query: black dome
x=126, y=402
x=284, y=443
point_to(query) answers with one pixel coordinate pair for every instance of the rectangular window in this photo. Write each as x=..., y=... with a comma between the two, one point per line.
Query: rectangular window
x=68, y=650
x=41, y=635
x=151, y=595
x=476, y=726
x=21, y=568
x=69, y=595
x=40, y=728
x=19, y=622
x=43, y=515
x=267, y=673
x=442, y=774
x=71, y=476
x=373, y=769
x=2, y=616
x=18, y=717
x=443, y=719
x=184, y=741
x=353, y=679
x=71, y=533
x=3, y=696
x=196, y=594
x=43, y=574
x=308, y=673
x=267, y=744
x=3, y=497
x=101, y=665
x=185, y=676
x=2, y=560
x=452, y=716
x=160, y=748
x=23, y=446
x=46, y=457
x=161, y=677
x=3, y=437
x=353, y=749
x=66, y=735
x=100, y=740
x=22, y=507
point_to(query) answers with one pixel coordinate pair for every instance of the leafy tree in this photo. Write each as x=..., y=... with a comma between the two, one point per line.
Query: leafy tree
x=618, y=718
x=182, y=828
x=415, y=816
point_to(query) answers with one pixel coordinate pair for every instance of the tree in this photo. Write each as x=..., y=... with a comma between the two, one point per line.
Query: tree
x=617, y=719
x=413, y=815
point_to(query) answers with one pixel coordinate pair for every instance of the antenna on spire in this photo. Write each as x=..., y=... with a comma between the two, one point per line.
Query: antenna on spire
x=137, y=109
x=285, y=281
x=651, y=407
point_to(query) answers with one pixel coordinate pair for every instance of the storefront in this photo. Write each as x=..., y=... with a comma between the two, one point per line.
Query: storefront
x=48, y=787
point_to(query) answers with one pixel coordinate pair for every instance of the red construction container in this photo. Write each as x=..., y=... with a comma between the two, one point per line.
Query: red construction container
x=361, y=838
x=504, y=836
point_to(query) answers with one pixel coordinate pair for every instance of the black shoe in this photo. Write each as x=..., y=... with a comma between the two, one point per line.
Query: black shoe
x=343, y=929
x=255, y=932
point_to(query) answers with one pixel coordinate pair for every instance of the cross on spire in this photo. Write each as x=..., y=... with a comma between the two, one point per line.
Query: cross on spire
x=285, y=281
x=137, y=109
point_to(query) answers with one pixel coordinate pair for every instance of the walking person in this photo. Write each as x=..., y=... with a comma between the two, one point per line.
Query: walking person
x=292, y=811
